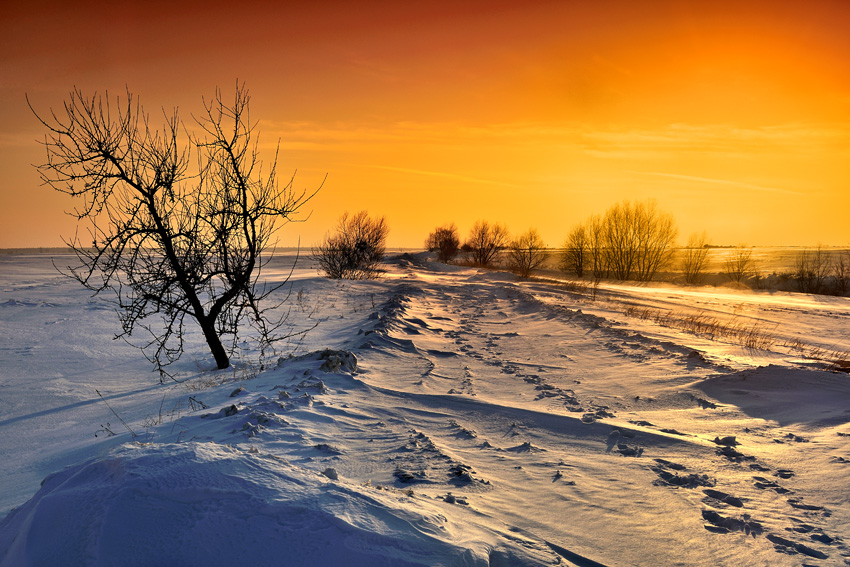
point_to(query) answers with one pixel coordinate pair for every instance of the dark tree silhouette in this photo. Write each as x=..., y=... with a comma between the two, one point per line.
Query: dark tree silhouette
x=527, y=253
x=355, y=250
x=812, y=268
x=739, y=264
x=596, y=246
x=485, y=241
x=639, y=239
x=841, y=273
x=445, y=241
x=576, y=254
x=695, y=257
x=171, y=241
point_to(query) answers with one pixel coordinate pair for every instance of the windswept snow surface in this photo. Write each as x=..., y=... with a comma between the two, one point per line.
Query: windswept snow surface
x=439, y=416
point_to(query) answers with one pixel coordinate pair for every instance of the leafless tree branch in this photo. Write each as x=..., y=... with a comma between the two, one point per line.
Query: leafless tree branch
x=170, y=241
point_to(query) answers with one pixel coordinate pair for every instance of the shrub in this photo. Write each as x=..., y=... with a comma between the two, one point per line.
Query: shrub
x=355, y=249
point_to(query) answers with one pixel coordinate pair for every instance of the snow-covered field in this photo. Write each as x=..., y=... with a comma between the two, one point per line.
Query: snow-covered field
x=439, y=416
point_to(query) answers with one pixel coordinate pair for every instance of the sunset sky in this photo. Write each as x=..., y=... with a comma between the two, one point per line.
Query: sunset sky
x=734, y=116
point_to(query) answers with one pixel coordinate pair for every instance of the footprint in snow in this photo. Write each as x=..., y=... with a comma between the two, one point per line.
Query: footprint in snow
x=733, y=455
x=717, y=495
x=785, y=545
x=669, y=475
x=763, y=483
x=718, y=523
x=526, y=447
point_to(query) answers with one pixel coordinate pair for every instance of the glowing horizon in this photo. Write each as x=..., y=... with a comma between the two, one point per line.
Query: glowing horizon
x=735, y=117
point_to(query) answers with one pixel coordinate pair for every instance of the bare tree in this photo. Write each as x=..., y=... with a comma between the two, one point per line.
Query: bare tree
x=485, y=241
x=812, y=269
x=841, y=273
x=445, y=241
x=638, y=239
x=656, y=234
x=739, y=265
x=527, y=252
x=696, y=255
x=171, y=242
x=355, y=250
x=620, y=240
x=597, y=247
x=576, y=252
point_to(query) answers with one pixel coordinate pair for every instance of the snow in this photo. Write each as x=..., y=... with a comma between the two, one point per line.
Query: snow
x=438, y=416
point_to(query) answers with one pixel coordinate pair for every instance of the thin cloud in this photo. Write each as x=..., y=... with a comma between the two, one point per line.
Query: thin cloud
x=727, y=182
x=718, y=138
x=445, y=175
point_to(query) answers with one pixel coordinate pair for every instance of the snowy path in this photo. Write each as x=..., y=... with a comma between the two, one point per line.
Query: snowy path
x=647, y=397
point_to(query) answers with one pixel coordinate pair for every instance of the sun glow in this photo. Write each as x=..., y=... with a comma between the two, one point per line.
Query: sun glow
x=734, y=116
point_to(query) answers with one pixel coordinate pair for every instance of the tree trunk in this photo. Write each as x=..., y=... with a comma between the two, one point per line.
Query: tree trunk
x=218, y=351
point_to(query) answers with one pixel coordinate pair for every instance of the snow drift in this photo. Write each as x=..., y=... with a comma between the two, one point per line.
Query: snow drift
x=208, y=504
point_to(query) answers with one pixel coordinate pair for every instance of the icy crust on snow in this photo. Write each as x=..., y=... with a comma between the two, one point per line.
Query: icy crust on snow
x=208, y=504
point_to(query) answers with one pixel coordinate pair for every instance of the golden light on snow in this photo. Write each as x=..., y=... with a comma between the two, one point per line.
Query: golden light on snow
x=735, y=116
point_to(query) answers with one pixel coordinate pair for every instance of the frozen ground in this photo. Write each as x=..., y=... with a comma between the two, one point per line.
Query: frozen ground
x=459, y=418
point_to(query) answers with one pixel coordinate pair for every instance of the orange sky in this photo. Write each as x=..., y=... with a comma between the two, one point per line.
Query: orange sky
x=735, y=116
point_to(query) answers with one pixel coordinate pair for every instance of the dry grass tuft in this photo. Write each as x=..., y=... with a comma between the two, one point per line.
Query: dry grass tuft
x=751, y=335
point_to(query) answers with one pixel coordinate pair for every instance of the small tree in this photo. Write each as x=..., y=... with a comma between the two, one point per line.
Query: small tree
x=485, y=241
x=576, y=252
x=694, y=260
x=639, y=239
x=171, y=243
x=527, y=253
x=355, y=250
x=445, y=241
x=841, y=273
x=656, y=231
x=596, y=246
x=739, y=265
x=811, y=270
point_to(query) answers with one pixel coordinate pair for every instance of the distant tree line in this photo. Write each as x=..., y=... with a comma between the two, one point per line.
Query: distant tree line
x=486, y=241
x=815, y=271
x=629, y=241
